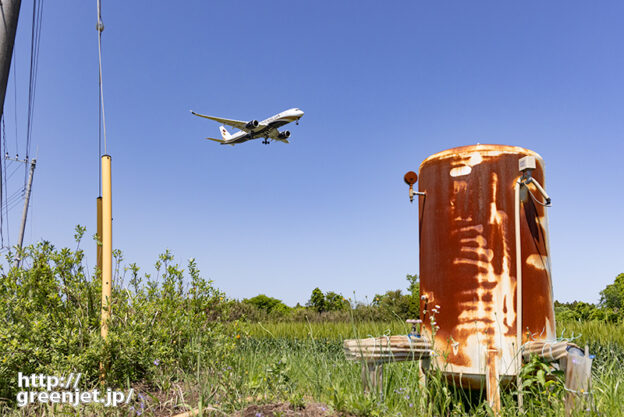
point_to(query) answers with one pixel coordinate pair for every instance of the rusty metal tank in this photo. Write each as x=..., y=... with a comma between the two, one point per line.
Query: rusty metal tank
x=468, y=259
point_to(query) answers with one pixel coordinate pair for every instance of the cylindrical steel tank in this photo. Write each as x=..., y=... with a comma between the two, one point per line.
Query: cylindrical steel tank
x=468, y=259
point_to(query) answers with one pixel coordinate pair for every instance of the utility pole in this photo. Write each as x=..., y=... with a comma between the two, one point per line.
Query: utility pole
x=33, y=163
x=9, y=13
x=107, y=244
x=105, y=256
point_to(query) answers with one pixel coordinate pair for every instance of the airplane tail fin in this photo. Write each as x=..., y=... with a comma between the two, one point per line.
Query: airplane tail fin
x=224, y=133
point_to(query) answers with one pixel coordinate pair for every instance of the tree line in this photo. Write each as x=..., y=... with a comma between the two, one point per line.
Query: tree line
x=402, y=304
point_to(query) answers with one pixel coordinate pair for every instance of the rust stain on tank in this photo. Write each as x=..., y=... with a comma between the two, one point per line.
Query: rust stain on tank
x=467, y=256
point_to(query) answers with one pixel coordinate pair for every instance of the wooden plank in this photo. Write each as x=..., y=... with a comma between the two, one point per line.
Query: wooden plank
x=387, y=349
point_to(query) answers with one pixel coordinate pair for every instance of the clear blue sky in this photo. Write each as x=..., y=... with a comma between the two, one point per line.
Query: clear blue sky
x=383, y=86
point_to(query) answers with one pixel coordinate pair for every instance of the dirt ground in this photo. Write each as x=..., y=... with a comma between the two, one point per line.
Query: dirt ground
x=288, y=410
x=156, y=403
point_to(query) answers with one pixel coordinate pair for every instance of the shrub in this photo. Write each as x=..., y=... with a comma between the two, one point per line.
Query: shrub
x=613, y=295
x=582, y=311
x=330, y=301
x=268, y=304
x=50, y=319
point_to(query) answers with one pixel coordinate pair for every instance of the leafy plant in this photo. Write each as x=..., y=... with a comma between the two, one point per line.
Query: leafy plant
x=50, y=320
x=542, y=381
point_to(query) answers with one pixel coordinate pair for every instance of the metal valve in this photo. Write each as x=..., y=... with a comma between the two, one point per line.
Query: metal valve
x=410, y=179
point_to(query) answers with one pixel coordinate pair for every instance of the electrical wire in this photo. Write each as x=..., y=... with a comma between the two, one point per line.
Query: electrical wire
x=16, y=203
x=17, y=194
x=37, y=18
x=1, y=182
x=4, y=176
x=14, y=99
x=100, y=29
x=8, y=202
x=13, y=173
x=15, y=199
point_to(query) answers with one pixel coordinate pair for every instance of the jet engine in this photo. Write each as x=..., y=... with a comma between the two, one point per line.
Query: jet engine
x=252, y=125
x=284, y=135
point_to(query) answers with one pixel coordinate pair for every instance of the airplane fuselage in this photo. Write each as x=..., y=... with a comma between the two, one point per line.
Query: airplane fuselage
x=268, y=126
x=248, y=130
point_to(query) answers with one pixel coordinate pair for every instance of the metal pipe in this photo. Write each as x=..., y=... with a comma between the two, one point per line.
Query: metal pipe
x=107, y=244
x=545, y=226
x=518, y=289
x=412, y=193
x=540, y=189
x=547, y=243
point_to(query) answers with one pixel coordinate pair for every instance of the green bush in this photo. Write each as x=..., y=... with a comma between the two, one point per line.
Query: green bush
x=613, y=295
x=50, y=320
x=330, y=301
x=395, y=304
x=582, y=311
x=268, y=304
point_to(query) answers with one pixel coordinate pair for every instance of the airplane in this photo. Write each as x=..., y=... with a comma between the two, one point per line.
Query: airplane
x=254, y=129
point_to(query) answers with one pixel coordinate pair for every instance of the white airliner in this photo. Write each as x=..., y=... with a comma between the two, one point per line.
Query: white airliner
x=254, y=129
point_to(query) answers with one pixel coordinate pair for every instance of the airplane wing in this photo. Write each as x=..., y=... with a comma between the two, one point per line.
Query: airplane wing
x=274, y=135
x=237, y=124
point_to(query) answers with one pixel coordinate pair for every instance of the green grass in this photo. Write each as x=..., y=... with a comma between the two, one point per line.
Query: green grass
x=277, y=369
x=309, y=357
x=172, y=344
x=592, y=332
x=304, y=362
x=329, y=330
x=581, y=332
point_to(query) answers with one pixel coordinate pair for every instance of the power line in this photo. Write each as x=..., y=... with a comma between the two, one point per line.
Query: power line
x=15, y=196
x=37, y=18
x=102, y=114
x=4, y=176
x=14, y=99
x=7, y=171
x=1, y=182
x=13, y=173
x=14, y=204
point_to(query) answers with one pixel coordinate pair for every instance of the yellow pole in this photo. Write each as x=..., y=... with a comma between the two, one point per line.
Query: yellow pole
x=98, y=236
x=107, y=243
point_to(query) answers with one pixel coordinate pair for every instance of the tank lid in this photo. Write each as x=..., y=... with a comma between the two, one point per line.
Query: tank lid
x=486, y=149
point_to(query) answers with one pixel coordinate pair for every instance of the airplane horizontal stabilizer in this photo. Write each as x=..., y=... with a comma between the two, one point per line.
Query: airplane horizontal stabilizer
x=216, y=140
